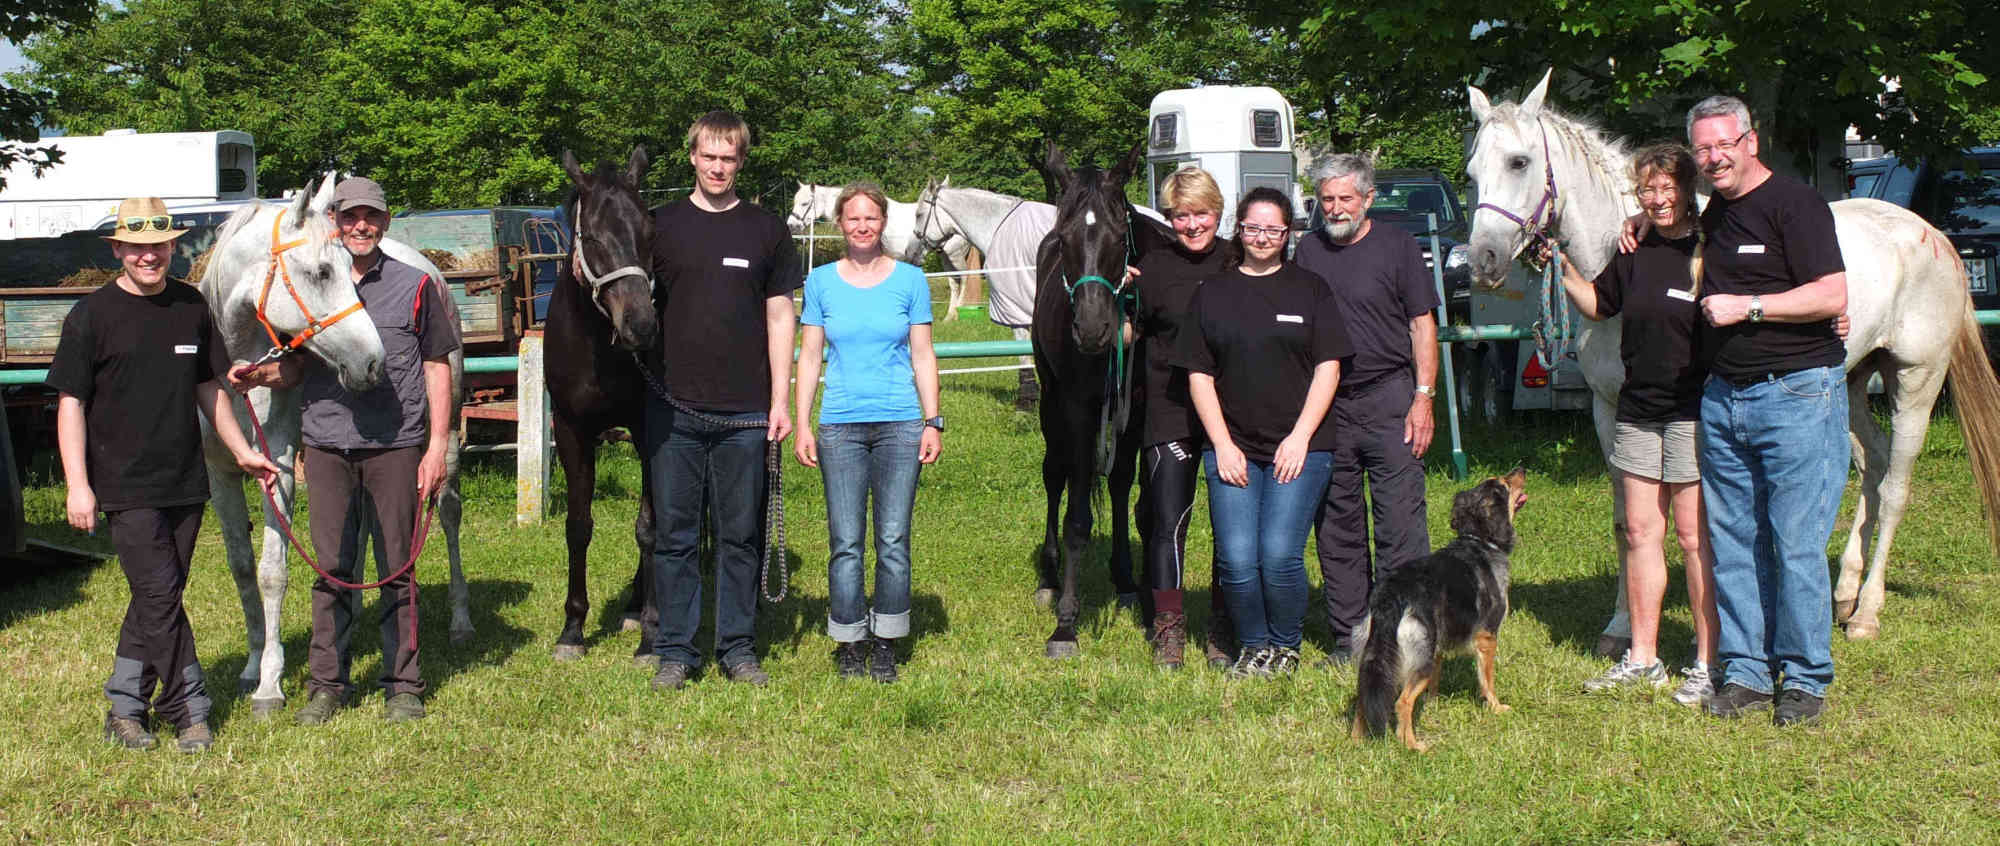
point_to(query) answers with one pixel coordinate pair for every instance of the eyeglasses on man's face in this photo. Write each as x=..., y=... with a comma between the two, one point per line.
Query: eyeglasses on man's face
x=1708, y=151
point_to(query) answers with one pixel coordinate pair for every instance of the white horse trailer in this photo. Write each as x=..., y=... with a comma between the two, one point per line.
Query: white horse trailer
x=181, y=168
x=1241, y=135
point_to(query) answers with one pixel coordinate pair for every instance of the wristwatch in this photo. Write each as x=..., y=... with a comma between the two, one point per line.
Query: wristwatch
x=1427, y=391
x=1756, y=309
x=936, y=422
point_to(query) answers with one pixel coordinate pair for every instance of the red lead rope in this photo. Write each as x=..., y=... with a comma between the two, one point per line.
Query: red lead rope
x=423, y=527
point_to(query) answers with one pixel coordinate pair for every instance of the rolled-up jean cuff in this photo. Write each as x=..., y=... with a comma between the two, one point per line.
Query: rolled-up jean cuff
x=889, y=625
x=846, y=632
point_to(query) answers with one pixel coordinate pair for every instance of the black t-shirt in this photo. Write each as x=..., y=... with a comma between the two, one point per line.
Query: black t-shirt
x=1261, y=337
x=715, y=270
x=1382, y=285
x=134, y=363
x=1653, y=289
x=1771, y=240
x=1168, y=278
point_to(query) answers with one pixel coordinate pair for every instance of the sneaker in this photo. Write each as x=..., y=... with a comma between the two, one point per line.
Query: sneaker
x=1252, y=663
x=1735, y=700
x=671, y=675
x=1169, y=639
x=318, y=709
x=1797, y=707
x=849, y=661
x=1695, y=687
x=402, y=708
x=1282, y=662
x=128, y=732
x=882, y=660
x=748, y=672
x=1339, y=656
x=1627, y=673
x=195, y=738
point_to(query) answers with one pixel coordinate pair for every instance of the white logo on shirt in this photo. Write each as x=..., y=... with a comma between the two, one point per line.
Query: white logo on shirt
x=1684, y=296
x=1290, y=318
x=735, y=262
x=185, y=349
x=1750, y=249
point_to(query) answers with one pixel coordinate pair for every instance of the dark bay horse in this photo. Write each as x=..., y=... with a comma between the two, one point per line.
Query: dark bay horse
x=1088, y=418
x=600, y=315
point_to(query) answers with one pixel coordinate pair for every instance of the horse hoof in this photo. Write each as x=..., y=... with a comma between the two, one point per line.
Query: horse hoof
x=1611, y=646
x=1842, y=610
x=1044, y=598
x=265, y=709
x=1060, y=649
x=649, y=663
x=1128, y=600
x=1862, y=630
x=461, y=635
x=245, y=687
x=569, y=651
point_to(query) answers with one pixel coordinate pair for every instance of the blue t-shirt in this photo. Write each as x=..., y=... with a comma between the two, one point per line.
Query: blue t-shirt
x=868, y=374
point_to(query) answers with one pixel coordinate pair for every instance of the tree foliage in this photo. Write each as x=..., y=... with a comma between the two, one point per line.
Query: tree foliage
x=22, y=113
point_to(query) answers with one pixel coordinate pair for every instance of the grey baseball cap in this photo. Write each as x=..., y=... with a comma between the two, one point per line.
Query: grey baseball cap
x=359, y=191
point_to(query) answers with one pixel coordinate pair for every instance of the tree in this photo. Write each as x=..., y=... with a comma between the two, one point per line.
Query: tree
x=22, y=113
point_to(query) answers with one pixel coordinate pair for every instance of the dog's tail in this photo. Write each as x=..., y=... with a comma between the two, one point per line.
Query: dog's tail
x=1378, y=667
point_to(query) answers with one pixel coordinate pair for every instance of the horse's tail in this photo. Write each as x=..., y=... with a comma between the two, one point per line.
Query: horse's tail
x=1976, y=392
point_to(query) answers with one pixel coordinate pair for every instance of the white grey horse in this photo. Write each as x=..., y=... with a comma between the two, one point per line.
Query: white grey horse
x=1906, y=297
x=233, y=281
x=899, y=235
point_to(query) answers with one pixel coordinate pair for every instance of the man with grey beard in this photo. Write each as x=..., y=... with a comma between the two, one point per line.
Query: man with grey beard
x=1382, y=411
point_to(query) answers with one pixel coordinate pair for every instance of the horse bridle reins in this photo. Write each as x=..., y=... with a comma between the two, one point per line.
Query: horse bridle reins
x=1538, y=225
x=930, y=201
x=275, y=270
x=596, y=280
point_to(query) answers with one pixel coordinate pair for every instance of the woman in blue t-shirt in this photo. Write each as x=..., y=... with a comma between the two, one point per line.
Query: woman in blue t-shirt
x=870, y=315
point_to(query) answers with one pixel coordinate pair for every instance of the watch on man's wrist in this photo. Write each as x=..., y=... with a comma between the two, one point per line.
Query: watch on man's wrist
x=936, y=423
x=1428, y=391
x=1756, y=309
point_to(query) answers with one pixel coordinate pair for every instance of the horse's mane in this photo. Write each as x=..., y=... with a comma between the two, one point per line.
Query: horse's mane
x=1606, y=155
x=237, y=219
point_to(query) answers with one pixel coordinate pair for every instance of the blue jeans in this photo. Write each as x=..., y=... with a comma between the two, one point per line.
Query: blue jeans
x=857, y=460
x=699, y=467
x=1260, y=547
x=1773, y=463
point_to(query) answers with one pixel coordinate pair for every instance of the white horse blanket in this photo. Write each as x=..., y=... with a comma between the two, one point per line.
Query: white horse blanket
x=1010, y=294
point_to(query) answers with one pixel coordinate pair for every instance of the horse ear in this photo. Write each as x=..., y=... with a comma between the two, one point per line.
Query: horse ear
x=302, y=202
x=1481, y=108
x=1532, y=105
x=1122, y=172
x=1055, y=164
x=322, y=200
x=635, y=167
x=571, y=167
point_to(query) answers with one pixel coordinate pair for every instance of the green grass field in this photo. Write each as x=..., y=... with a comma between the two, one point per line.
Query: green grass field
x=986, y=741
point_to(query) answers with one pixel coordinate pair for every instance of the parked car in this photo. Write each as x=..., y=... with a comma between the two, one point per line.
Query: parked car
x=1962, y=199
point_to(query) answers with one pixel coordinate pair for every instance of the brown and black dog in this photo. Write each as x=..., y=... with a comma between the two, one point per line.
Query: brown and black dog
x=1453, y=600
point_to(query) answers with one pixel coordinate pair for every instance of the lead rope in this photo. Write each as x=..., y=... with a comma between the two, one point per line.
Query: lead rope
x=774, y=478
x=1552, y=336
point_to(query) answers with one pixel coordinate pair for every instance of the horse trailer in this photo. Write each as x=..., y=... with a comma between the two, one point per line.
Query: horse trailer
x=96, y=171
x=1241, y=135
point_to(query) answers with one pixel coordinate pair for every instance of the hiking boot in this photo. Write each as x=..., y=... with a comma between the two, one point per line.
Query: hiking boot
x=1339, y=656
x=1282, y=662
x=1735, y=700
x=1695, y=687
x=748, y=672
x=882, y=660
x=1252, y=663
x=128, y=732
x=1797, y=707
x=849, y=661
x=671, y=675
x=1628, y=673
x=318, y=709
x=1170, y=639
x=195, y=738
x=1218, y=658
x=402, y=708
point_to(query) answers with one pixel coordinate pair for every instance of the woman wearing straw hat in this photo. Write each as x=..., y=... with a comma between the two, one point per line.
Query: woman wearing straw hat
x=136, y=358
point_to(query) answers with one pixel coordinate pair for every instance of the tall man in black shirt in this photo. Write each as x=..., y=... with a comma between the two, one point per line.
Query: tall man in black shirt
x=725, y=271
x=136, y=358
x=1774, y=447
x=1381, y=415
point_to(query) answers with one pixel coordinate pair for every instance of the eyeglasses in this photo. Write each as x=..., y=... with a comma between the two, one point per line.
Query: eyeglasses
x=1251, y=230
x=1656, y=193
x=1720, y=147
x=158, y=223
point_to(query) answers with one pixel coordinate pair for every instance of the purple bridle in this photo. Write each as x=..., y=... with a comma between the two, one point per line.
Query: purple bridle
x=1535, y=224
x=1552, y=336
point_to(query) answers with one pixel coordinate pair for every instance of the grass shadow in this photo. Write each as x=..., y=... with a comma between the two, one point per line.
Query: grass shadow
x=42, y=581
x=1572, y=609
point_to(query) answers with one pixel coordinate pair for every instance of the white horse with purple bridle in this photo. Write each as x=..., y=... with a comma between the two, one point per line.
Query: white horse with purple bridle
x=1540, y=172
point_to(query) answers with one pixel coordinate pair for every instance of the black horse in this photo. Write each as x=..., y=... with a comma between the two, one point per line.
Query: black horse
x=600, y=315
x=1088, y=418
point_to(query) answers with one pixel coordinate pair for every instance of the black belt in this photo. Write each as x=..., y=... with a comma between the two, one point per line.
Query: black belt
x=1750, y=379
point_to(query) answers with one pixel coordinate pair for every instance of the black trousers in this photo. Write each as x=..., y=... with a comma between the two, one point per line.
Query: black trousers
x=1168, y=471
x=155, y=644
x=340, y=483
x=1368, y=446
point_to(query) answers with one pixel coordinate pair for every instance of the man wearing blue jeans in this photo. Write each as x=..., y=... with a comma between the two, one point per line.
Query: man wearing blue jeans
x=1774, y=447
x=725, y=271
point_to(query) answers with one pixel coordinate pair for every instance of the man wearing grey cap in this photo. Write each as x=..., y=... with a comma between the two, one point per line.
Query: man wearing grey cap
x=388, y=441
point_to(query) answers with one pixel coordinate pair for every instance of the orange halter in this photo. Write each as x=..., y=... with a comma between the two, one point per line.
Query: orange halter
x=276, y=271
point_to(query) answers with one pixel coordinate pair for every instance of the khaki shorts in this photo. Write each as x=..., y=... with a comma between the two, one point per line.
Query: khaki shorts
x=1663, y=452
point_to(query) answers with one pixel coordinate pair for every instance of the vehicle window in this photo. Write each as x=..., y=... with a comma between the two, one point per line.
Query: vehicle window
x=1413, y=198
x=1969, y=203
x=1862, y=184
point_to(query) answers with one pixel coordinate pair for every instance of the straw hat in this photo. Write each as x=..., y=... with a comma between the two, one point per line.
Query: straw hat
x=144, y=209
